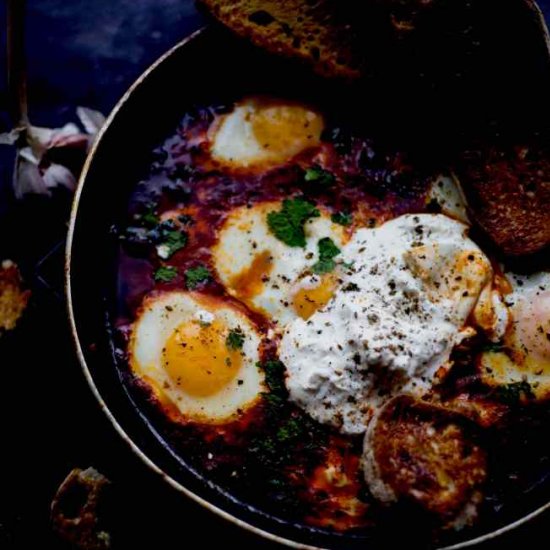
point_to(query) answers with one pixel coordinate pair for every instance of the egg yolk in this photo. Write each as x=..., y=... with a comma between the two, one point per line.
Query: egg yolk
x=287, y=129
x=198, y=360
x=308, y=300
x=250, y=281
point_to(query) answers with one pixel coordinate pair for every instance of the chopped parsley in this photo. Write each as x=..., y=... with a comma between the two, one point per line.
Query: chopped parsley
x=235, y=339
x=165, y=274
x=493, y=347
x=514, y=393
x=319, y=175
x=327, y=252
x=274, y=375
x=342, y=218
x=288, y=224
x=293, y=438
x=197, y=275
x=173, y=241
x=150, y=218
x=290, y=431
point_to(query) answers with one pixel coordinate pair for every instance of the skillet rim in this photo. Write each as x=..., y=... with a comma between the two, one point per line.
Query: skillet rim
x=134, y=447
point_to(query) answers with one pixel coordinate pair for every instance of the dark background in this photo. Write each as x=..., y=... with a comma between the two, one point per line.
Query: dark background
x=87, y=53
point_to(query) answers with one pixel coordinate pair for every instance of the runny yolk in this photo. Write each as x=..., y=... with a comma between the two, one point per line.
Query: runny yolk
x=308, y=300
x=285, y=130
x=249, y=282
x=198, y=360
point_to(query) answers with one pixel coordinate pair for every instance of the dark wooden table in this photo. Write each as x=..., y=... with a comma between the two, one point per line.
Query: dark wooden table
x=87, y=53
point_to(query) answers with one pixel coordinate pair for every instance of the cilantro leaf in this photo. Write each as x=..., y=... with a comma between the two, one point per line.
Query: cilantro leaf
x=342, y=218
x=165, y=274
x=235, y=339
x=288, y=224
x=319, y=175
x=290, y=431
x=173, y=241
x=149, y=218
x=493, y=347
x=274, y=375
x=327, y=252
x=197, y=275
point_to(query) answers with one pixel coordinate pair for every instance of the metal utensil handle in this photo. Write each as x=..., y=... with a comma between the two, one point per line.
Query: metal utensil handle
x=17, y=75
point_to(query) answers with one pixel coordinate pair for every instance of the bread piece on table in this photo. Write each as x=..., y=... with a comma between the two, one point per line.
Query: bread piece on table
x=13, y=298
x=75, y=510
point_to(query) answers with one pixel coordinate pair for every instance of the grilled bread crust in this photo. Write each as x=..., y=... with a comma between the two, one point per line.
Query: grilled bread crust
x=422, y=453
x=508, y=192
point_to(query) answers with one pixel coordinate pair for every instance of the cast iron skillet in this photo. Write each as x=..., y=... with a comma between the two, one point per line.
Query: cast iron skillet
x=197, y=70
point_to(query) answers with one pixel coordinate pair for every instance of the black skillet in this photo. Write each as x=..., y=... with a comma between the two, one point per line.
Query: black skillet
x=208, y=66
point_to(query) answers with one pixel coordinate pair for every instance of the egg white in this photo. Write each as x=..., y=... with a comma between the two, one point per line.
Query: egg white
x=262, y=131
x=245, y=237
x=446, y=192
x=523, y=354
x=392, y=323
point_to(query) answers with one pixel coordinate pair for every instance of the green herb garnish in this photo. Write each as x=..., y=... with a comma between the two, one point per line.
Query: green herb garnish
x=342, y=218
x=319, y=175
x=288, y=224
x=493, y=347
x=289, y=431
x=165, y=274
x=196, y=275
x=274, y=375
x=235, y=339
x=150, y=218
x=173, y=241
x=327, y=252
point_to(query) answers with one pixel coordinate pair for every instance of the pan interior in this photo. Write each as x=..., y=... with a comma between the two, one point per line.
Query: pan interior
x=194, y=75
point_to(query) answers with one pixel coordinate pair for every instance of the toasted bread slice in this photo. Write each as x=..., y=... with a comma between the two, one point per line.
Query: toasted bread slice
x=76, y=510
x=346, y=38
x=423, y=454
x=310, y=31
x=508, y=192
x=13, y=298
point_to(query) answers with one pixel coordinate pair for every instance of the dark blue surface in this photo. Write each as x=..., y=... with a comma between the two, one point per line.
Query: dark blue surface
x=88, y=53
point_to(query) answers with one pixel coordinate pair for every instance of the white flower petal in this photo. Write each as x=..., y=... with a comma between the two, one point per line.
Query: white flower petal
x=9, y=138
x=28, y=154
x=56, y=174
x=28, y=180
x=91, y=120
x=40, y=136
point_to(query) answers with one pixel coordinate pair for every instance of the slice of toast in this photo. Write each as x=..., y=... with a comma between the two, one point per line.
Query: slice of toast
x=424, y=454
x=13, y=297
x=508, y=192
x=311, y=31
x=350, y=38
